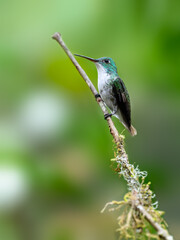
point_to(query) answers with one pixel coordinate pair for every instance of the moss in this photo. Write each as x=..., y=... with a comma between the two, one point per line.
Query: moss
x=131, y=222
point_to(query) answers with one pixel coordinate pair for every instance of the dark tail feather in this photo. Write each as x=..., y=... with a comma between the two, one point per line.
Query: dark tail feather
x=132, y=131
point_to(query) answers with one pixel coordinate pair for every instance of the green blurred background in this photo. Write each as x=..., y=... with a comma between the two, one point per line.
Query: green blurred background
x=55, y=147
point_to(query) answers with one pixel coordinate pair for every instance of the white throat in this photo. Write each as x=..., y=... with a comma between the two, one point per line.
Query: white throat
x=103, y=76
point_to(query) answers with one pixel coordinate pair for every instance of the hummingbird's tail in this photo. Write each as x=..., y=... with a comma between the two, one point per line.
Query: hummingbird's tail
x=132, y=131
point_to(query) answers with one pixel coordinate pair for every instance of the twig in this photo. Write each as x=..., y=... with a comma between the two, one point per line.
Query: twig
x=118, y=139
x=161, y=232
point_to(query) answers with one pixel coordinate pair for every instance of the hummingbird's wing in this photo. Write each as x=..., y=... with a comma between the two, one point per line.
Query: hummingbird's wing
x=123, y=101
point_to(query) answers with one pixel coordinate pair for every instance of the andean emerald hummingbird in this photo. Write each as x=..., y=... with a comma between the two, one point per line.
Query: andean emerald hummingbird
x=113, y=91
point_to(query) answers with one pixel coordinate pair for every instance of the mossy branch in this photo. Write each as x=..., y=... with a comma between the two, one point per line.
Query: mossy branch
x=139, y=213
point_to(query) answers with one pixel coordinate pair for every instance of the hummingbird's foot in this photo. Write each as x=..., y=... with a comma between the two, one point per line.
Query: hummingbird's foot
x=110, y=114
x=97, y=96
x=107, y=115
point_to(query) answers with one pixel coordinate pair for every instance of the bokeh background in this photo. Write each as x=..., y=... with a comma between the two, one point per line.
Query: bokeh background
x=55, y=147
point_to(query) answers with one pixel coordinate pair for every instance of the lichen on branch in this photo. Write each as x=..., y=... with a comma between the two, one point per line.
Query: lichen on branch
x=132, y=223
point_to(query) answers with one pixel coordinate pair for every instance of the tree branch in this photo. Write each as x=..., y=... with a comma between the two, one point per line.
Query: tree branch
x=130, y=174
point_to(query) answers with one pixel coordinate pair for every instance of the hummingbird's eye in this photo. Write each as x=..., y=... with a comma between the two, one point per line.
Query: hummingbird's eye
x=107, y=61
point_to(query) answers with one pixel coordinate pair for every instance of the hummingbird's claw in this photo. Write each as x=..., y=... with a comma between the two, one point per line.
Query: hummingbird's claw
x=107, y=115
x=97, y=96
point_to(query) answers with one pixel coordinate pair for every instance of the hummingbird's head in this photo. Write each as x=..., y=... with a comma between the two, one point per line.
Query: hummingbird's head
x=103, y=64
x=107, y=64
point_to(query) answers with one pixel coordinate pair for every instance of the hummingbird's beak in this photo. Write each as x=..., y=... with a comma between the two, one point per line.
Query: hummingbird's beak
x=91, y=59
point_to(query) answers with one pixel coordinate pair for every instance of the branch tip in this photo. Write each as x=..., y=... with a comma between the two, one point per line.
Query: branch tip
x=56, y=36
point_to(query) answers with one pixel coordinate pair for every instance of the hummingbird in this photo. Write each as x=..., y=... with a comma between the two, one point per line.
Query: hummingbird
x=113, y=91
